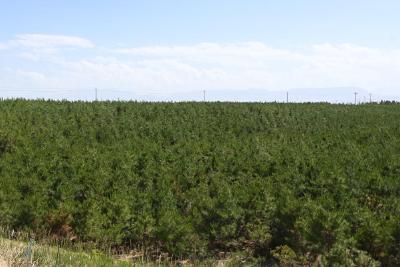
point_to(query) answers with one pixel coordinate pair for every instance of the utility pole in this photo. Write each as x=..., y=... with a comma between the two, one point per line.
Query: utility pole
x=95, y=94
x=287, y=97
x=204, y=95
x=355, y=98
x=370, y=98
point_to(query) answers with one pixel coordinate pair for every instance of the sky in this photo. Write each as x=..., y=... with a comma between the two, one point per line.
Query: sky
x=234, y=50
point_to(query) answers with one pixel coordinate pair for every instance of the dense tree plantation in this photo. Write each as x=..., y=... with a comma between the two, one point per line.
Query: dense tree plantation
x=297, y=183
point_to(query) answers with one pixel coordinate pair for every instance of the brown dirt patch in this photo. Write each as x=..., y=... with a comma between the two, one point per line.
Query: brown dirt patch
x=3, y=263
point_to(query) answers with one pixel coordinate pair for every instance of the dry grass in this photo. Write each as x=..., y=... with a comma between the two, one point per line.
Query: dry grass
x=15, y=252
x=23, y=254
x=20, y=254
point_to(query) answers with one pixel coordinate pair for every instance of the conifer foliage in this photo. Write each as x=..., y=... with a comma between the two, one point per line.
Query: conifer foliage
x=295, y=182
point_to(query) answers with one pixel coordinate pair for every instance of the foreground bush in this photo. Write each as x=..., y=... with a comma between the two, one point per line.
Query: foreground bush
x=300, y=183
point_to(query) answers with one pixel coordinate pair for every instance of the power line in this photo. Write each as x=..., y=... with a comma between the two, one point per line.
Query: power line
x=55, y=90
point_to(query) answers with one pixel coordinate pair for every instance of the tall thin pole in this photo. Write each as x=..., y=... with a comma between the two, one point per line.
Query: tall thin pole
x=95, y=93
x=204, y=95
x=370, y=98
x=355, y=98
x=287, y=97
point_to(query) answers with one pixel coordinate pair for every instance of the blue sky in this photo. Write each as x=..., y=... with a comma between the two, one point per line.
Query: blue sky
x=164, y=48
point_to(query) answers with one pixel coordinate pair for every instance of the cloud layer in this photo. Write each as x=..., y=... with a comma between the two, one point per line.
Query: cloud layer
x=45, y=62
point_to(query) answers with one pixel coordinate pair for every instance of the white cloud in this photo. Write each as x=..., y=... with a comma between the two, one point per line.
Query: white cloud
x=249, y=49
x=36, y=46
x=210, y=66
x=214, y=53
x=51, y=41
x=31, y=75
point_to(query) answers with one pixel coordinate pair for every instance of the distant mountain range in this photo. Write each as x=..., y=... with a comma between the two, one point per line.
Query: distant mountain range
x=331, y=95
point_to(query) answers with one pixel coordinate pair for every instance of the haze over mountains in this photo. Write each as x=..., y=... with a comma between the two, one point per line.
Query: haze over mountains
x=331, y=95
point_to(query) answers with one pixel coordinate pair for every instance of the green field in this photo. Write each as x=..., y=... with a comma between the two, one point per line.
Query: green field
x=289, y=183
